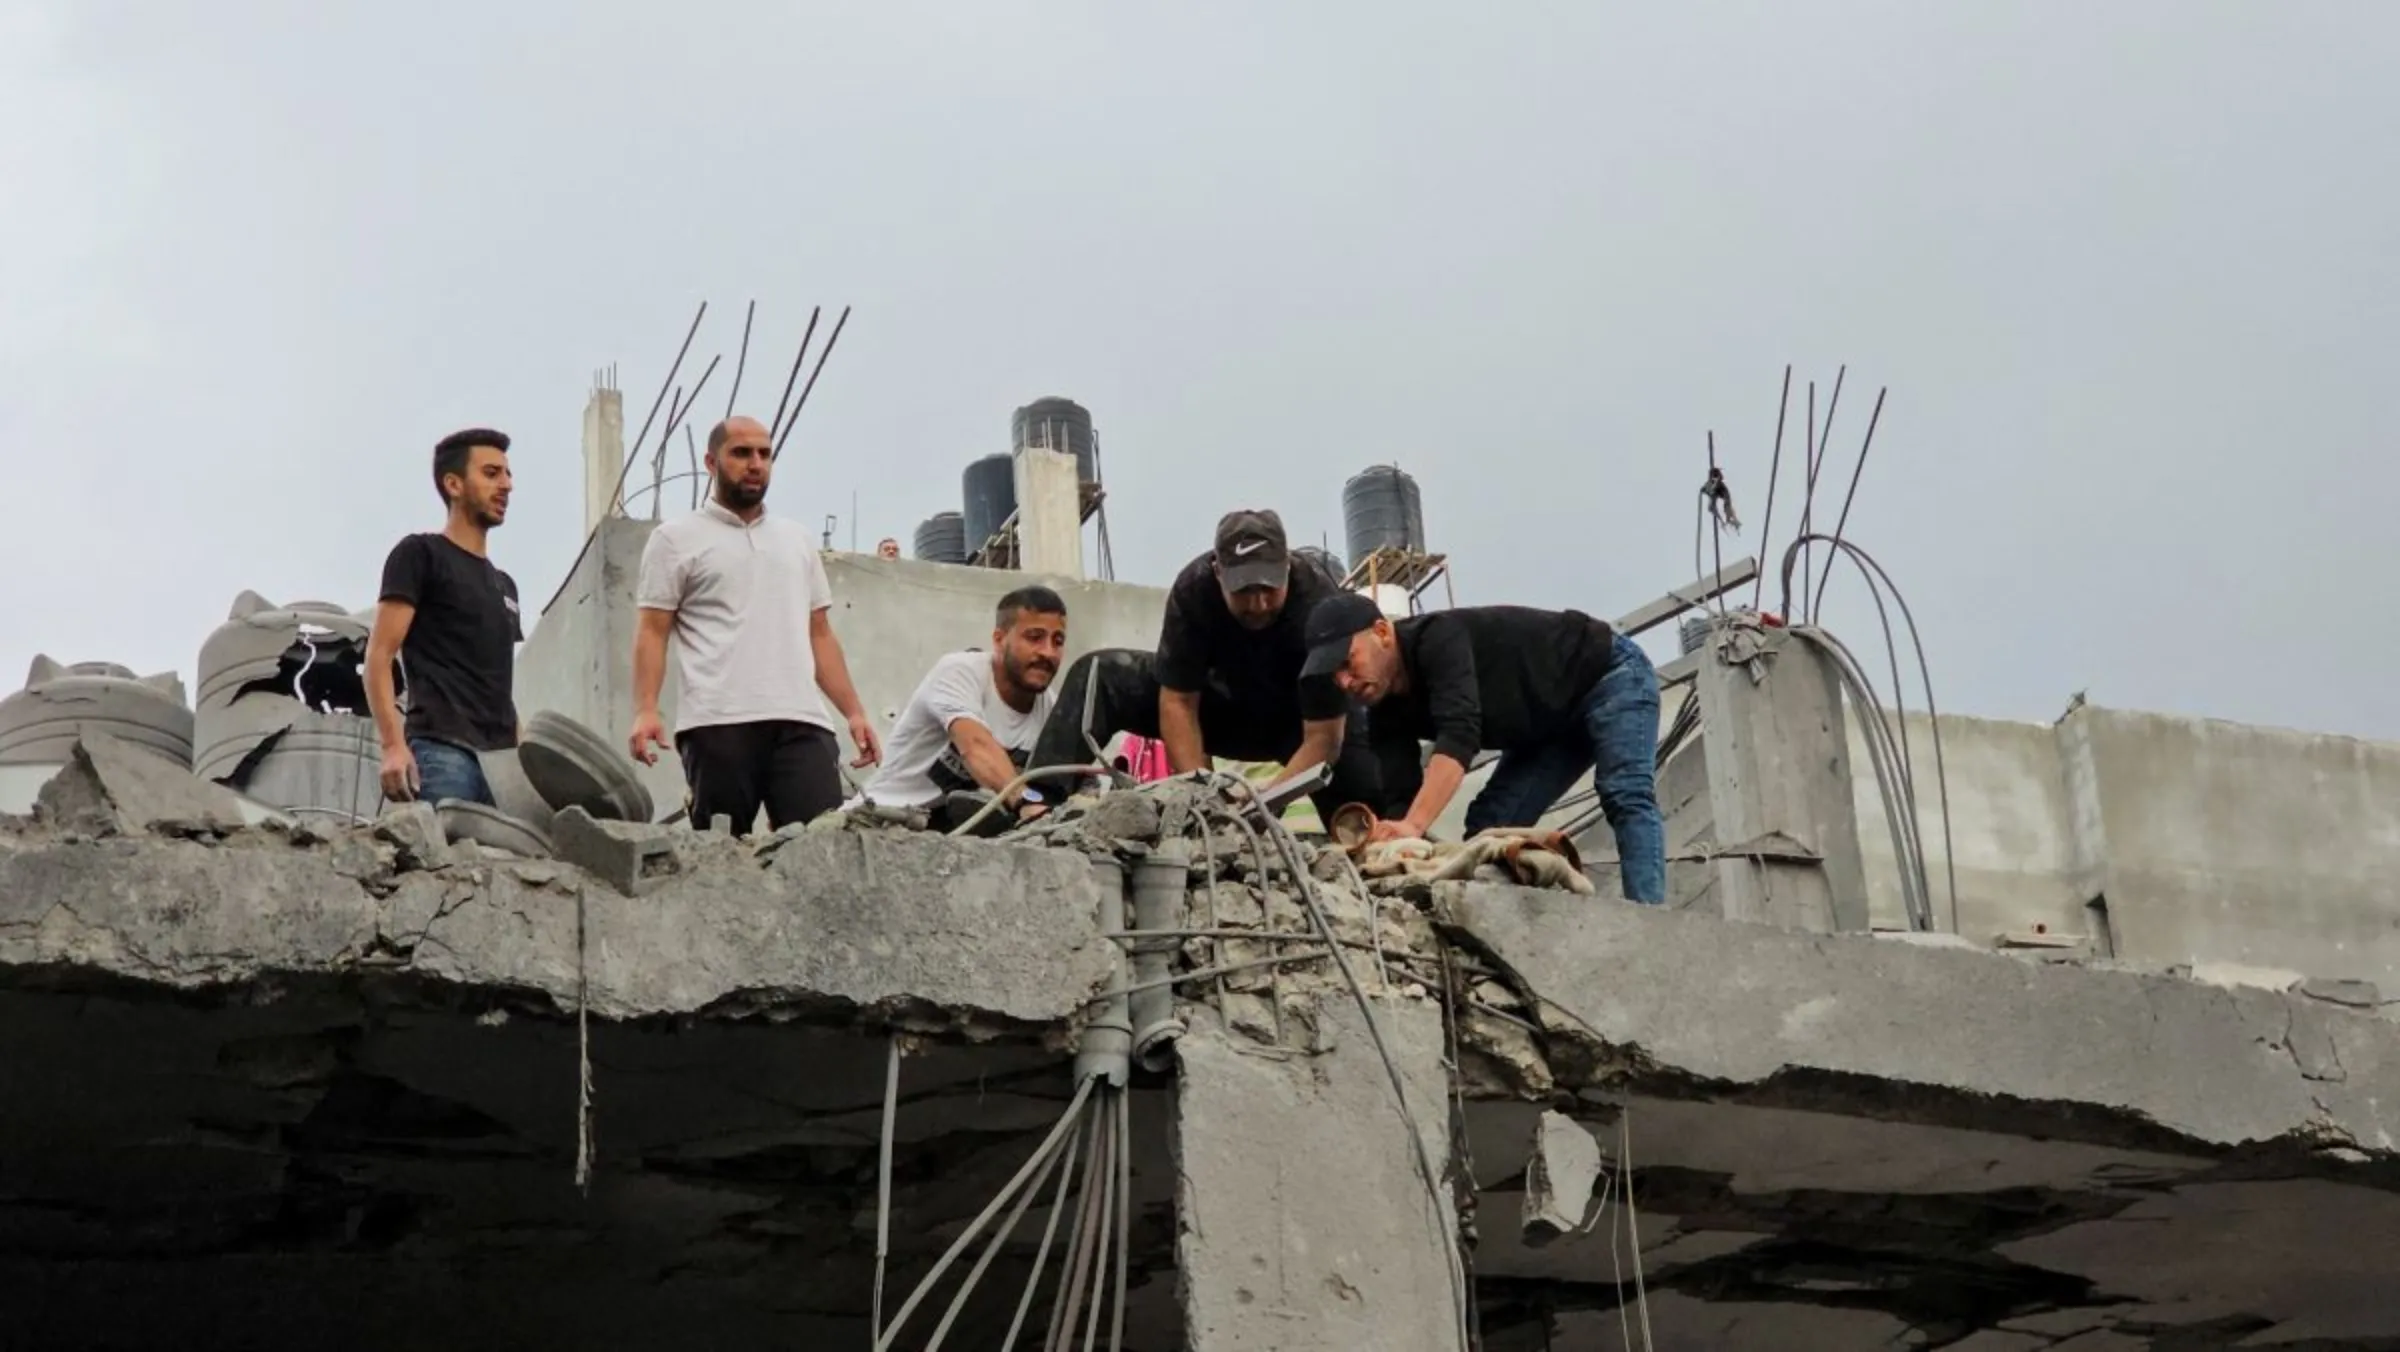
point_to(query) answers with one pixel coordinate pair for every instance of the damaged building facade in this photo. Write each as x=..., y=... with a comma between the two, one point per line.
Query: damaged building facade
x=283, y=1070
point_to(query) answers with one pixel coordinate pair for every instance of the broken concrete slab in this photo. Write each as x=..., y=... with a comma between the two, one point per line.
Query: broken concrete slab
x=417, y=832
x=1305, y=1224
x=962, y=935
x=1682, y=1002
x=111, y=788
x=1560, y=1177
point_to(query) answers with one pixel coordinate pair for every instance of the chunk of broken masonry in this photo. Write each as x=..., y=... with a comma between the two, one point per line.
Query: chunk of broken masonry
x=109, y=788
x=632, y=857
x=415, y=830
x=1559, y=1179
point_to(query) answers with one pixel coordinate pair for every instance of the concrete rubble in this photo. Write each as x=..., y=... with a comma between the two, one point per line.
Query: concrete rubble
x=1831, y=1138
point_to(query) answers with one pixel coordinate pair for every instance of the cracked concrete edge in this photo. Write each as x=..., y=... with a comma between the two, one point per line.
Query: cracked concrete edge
x=1637, y=998
x=1000, y=939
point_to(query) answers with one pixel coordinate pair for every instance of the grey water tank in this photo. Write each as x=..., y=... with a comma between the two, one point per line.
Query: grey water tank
x=1059, y=425
x=1323, y=558
x=990, y=492
x=60, y=702
x=282, y=710
x=1694, y=632
x=1381, y=509
x=942, y=538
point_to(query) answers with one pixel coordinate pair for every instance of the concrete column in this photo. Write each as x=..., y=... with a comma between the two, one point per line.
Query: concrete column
x=1786, y=826
x=1049, y=513
x=1304, y=1224
x=603, y=455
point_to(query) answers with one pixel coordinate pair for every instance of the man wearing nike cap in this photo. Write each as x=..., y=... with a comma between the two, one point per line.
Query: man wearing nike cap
x=1555, y=692
x=1225, y=680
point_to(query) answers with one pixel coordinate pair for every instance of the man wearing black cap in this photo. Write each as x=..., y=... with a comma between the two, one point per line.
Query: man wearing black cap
x=1226, y=678
x=1555, y=692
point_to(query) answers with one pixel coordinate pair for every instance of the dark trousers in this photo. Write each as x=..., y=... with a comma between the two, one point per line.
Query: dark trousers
x=792, y=769
x=1119, y=686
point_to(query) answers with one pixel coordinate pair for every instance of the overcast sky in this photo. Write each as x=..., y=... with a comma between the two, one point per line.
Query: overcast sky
x=2130, y=270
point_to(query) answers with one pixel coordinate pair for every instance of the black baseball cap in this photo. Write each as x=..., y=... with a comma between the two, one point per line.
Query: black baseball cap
x=1337, y=619
x=1251, y=551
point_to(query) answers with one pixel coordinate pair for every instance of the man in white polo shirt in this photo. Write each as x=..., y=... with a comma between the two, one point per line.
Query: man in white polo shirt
x=973, y=719
x=745, y=596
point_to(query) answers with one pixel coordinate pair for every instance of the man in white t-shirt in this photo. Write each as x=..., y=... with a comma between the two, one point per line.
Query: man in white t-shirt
x=974, y=718
x=745, y=597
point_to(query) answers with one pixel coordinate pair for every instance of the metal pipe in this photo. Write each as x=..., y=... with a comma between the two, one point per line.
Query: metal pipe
x=1106, y=1049
x=1159, y=879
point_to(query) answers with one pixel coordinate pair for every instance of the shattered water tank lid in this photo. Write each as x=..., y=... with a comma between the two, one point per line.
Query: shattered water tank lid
x=489, y=826
x=60, y=702
x=569, y=765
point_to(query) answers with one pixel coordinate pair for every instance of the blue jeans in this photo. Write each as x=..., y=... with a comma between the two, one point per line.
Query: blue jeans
x=446, y=771
x=1619, y=743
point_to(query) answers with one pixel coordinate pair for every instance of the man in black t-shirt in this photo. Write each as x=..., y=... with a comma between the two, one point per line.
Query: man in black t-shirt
x=451, y=620
x=1555, y=692
x=1225, y=680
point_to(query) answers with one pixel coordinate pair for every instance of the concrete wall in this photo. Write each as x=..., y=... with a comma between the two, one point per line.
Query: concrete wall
x=2210, y=842
x=894, y=617
x=2010, y=829
x=2241, y=844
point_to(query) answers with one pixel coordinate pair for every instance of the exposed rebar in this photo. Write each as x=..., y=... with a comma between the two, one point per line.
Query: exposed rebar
x=634, y=451
x=799, y=359
x=802, y=401
x=1766, y=525
x=741, y=360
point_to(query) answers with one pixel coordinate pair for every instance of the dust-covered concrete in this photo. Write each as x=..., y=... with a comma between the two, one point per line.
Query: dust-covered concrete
x=278, y=1086
x=862, y=919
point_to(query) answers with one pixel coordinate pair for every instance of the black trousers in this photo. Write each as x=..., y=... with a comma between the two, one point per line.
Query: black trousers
x=790, y=768
x=1120, y=686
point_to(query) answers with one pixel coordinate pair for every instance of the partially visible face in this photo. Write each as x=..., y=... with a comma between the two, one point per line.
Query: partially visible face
x=887, y=549
x=1031, y=648
x=483, y=490
x=1374, y=661
x=743, y=465
x=1254, y=607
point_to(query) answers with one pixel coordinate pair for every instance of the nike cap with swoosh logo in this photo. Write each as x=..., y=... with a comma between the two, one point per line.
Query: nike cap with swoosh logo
x=1251, y=551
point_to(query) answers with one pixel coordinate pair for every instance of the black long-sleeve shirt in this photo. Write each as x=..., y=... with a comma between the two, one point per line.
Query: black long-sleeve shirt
x=1203, y=648
x=1503, y=677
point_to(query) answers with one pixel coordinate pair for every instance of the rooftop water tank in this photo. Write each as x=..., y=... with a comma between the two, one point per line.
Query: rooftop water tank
x=1382, y=510
x=1694, y=632
x=990, y=490
x=1323, y=558
x=942, y=538
x=1059, y=425
x=282, y=710
x=40, y=723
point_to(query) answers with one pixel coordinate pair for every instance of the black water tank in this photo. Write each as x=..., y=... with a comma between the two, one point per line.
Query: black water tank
x=1059, y=425
x=1381, y=510
x=1323, y=558
x=990, y=491
x=942, y=538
